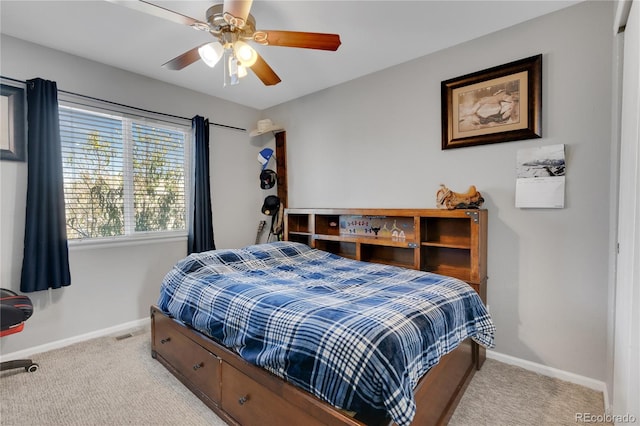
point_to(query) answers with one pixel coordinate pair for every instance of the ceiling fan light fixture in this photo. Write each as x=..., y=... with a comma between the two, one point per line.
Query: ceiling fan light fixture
x=232, y=24
x=211, y=53
x=231, y=65
x=233, y=20
x=242, y=71
x=245, y=53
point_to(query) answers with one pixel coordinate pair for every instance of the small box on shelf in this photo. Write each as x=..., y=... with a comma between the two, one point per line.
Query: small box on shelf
x=328, y=225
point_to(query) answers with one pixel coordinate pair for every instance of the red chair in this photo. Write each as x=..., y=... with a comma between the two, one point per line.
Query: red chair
x=14, y=311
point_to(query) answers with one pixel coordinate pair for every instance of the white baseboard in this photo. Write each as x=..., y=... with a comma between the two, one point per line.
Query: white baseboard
x=27, y=353
x=577, y=379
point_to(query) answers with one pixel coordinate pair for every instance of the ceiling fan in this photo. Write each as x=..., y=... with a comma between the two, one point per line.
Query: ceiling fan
x=231, y=24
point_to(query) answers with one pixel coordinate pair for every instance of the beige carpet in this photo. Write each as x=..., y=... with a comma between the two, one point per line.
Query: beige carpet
x=116, y=382
x=100, y=382
x=501, y=394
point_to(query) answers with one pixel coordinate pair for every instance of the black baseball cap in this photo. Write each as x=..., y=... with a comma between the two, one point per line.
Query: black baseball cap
x=270, y=205
x=267, y=179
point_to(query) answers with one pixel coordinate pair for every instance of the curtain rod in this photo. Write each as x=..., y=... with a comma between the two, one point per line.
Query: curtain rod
x=226, y=126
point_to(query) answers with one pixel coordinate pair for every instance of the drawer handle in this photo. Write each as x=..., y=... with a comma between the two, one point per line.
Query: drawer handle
x=243, y=399
x=167, y=340
x=198, y=366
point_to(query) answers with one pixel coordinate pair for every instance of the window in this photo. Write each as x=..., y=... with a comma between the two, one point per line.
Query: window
x=122, y=176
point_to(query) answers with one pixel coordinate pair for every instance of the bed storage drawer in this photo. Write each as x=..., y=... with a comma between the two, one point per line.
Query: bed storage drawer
x=197, y=365
x=249, y=403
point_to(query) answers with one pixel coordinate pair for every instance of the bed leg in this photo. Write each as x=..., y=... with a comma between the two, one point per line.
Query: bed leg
x=479, y=355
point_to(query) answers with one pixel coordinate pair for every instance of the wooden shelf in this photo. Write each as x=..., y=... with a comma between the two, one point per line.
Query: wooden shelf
x=368, y=240
x=450, y=271
x=299, y=224
x=446, y=242
x=445, y=230
x=388, y=254
x=459, y=246
x=341, y=248
x=299, y=233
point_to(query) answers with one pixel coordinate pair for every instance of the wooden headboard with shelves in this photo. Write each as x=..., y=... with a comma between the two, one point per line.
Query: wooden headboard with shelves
x=447, y=242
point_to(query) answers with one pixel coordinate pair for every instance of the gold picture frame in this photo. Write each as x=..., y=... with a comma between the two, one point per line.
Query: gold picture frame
x=12, y=123
x=498, y=104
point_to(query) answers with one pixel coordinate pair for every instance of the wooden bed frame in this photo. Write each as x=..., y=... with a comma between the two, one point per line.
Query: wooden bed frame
x=243, y=394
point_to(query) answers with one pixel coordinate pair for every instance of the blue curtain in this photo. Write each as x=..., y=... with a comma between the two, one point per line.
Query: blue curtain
x=200, y=217
x=46, y=255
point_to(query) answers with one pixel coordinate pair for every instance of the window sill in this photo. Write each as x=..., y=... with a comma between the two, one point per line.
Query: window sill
x=137, y=240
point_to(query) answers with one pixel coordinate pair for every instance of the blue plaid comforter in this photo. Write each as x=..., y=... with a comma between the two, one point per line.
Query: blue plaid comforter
x=358, y=335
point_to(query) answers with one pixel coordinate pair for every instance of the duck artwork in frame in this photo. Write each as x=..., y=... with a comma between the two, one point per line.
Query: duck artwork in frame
x=499, y=104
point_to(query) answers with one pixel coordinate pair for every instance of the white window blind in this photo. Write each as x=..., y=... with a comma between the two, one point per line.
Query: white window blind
x=123, y=176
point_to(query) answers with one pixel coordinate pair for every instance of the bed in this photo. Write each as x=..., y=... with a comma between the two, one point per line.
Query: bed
x=282, y=333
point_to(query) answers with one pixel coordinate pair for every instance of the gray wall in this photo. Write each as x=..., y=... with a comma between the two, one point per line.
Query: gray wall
x=375, y=142
x=112, y=285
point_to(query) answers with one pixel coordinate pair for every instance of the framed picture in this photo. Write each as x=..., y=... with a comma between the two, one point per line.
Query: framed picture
x=12, y=123
x=499, y=104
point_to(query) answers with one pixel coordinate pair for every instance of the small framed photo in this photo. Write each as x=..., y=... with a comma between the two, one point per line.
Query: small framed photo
x=499, y=104
x=12, y=123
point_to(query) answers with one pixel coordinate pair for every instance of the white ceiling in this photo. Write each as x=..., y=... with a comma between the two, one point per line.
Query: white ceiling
x=374, y=34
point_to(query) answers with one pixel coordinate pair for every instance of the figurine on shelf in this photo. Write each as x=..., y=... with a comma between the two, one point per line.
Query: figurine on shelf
x=447, y=199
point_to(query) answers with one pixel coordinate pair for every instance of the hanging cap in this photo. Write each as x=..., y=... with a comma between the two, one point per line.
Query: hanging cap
x=265, y=126
x=264, y=156
x=270, y=205
x=267, y=179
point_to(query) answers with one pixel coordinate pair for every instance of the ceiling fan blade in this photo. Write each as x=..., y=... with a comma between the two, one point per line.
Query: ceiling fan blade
x=303, y=40
x=264, y=72
x=187, y=58
x=161, y=12
x=236, y=11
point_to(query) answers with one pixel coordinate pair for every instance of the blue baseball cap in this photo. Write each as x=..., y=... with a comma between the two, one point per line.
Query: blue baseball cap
x=264, y=156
